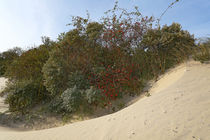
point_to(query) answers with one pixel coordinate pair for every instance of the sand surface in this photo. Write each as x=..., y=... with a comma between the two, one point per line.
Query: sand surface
x=178, y=109
x=3, y=107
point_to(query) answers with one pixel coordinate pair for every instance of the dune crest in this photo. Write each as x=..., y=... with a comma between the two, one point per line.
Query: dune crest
x=178, y=109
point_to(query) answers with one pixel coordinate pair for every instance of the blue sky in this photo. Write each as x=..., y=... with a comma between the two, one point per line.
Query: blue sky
x=23, y=22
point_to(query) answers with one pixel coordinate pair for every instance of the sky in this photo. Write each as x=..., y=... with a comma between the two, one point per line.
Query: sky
x=23, y=22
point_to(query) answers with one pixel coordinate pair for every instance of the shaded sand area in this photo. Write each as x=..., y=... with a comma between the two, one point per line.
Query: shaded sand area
x=178, y=109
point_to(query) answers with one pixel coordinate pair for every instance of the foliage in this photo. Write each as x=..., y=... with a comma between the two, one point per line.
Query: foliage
x=26, y=86
x=55, y=105
x=29, y=65
x=2, y=66
x=24, y=95
x=202, y=52
x=113, y=81
x=79, y=80
x=72, y=98
x=94, y=31
x=63, y=67
x=7, y=57
x=115, y=56
x=97, y=62
x=93, y=96
x=124, y=29
x=167, y=46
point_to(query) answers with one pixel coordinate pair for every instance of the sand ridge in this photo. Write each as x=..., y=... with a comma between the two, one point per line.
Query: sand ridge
x=178, y=109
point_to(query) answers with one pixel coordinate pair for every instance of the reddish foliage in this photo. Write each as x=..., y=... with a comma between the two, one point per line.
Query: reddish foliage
x=112, y=80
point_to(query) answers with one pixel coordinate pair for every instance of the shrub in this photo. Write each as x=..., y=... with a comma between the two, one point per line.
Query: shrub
x=2, y=66
x=144, y=70
x=93, y=96
x=167, y=46
x=202, y=52
x=101, y=51
x=124, y=29
x=99, y=62
x=72, y=99
x=113, y=80
x=56, y=106
x=24, y=95
x=68, y=57
x=96, y=62
x=25, y=77
x=79, y=80
x=29, y=65
x=7, y=57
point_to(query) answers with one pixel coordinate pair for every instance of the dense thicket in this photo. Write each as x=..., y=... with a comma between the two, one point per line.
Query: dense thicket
x=114, y=57
x=96, y=62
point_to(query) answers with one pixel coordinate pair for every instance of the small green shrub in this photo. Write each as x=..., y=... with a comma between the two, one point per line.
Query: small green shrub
x=72, y=99
x=56, y=105
x=93, y=96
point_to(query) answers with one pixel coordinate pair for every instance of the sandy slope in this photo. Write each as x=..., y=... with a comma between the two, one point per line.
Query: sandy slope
x=179, y=109
x=3, y=107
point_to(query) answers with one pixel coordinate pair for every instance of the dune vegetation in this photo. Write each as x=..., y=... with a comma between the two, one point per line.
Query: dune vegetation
x=96, y=62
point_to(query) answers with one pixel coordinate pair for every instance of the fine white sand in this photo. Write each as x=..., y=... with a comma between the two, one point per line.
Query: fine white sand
x=178, y=109
x=3, y=107
x=2, y=83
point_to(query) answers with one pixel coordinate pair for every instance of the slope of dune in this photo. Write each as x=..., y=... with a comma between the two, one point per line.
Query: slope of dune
x=3, y=107
x=178, y=109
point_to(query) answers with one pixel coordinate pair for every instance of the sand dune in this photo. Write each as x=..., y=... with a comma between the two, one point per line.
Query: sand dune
x=3, y=107
x=178, y=109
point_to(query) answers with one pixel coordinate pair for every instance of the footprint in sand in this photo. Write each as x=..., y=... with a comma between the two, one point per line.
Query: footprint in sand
x=147, y=123
x=175, y=131
x=132, y=133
